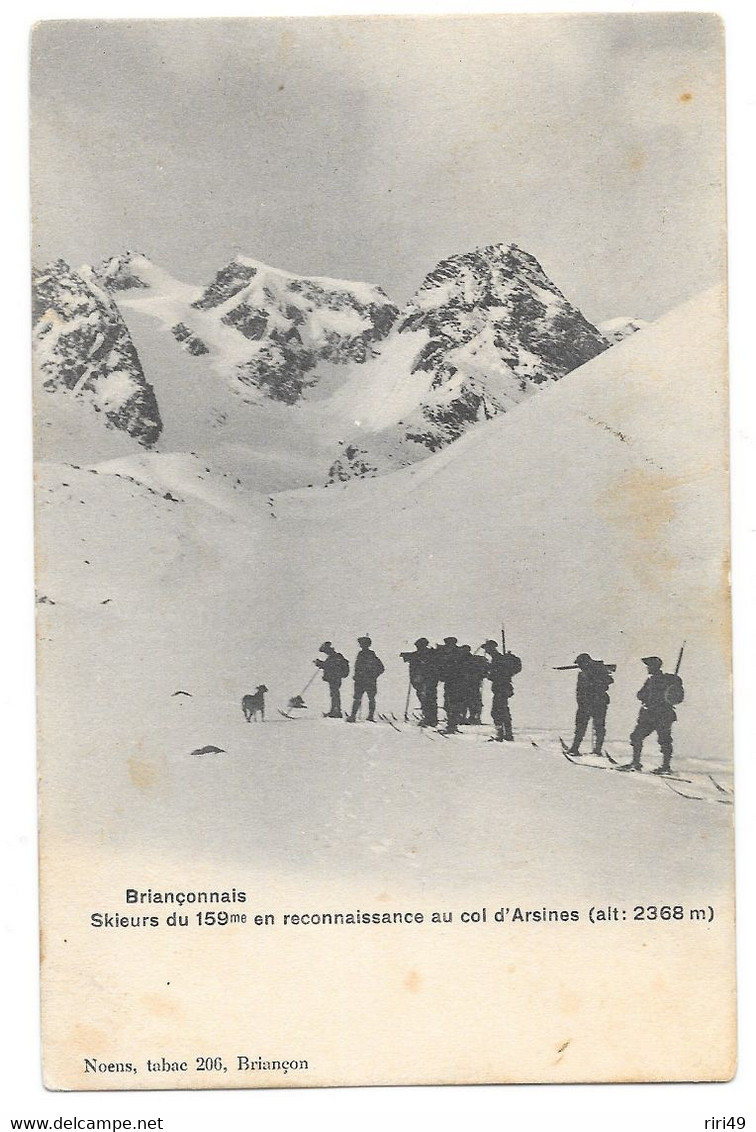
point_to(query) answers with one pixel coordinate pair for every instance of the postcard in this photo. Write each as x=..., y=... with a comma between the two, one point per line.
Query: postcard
x=382, y=529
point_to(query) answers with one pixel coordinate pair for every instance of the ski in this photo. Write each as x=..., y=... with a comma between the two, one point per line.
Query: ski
x=390, y=721
x=612, y=764
x=574, y=758
x=720, y=788
x=285, y=714
x=682, y=794
x=652, y=774
x=577, y=762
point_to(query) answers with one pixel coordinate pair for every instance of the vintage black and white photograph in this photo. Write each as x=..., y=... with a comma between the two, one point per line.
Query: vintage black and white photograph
x=382, y=534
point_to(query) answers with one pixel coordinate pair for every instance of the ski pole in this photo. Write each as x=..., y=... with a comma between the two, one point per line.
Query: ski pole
x=679, y=658
x=503, y=638
x=407, y=702
x=307, y=685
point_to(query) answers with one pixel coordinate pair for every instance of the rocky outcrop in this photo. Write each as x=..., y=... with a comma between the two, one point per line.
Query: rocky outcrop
x=83, y=349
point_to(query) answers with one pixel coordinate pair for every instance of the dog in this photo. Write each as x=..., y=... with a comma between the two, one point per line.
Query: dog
x=252, y=705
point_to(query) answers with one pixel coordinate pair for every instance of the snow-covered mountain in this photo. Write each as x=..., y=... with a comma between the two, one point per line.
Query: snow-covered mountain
x=263, y=329
x=618, y=329
x=88, y=376
x=485, y=331
x=296, y=380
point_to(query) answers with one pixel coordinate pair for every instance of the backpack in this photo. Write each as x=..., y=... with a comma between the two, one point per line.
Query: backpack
x=674, y=693
x=341, y=665
x=601, y=675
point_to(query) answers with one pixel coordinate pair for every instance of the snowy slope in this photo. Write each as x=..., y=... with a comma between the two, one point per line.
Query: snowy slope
x=486, y=330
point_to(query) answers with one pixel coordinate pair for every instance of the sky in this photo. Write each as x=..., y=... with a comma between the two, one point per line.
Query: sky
x=371, y=148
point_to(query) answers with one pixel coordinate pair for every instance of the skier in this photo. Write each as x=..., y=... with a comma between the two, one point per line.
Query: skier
x=423, y=678
x=501, y=669
x=659, y=695
x=477, y=670
x=592, y=694
x=335, y=668
x=450, y=671
x=367, y=669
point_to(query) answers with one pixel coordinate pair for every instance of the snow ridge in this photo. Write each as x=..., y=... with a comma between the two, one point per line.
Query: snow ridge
x=617, y=329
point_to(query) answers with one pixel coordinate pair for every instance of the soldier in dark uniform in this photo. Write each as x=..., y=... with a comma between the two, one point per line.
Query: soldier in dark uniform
x=477, y=670
x=659, y=695
x=466, y=680
x=501, y=668
x=450, y=671
x=335, y=668
x=423, y=678
x=592, y=693
x=367, y=669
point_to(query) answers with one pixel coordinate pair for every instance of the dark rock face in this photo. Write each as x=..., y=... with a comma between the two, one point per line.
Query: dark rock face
x=279, y=368
x=191, y=343
x=227, y=283
x=83, y=347
x=249, y=321
x=117, y=274
x=354, y=463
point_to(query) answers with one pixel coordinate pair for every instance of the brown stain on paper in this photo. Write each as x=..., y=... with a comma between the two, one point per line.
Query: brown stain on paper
x=641, y=503
x=160, y=1006
x=637, y=159
x=88, y=1040
x=142, y=773
x=413, y=982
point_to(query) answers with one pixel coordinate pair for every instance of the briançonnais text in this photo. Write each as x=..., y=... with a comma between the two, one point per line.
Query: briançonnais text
x=222, y=908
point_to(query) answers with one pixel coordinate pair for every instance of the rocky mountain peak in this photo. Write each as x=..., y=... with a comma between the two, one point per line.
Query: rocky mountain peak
x=490, y=327
x=125, y=272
